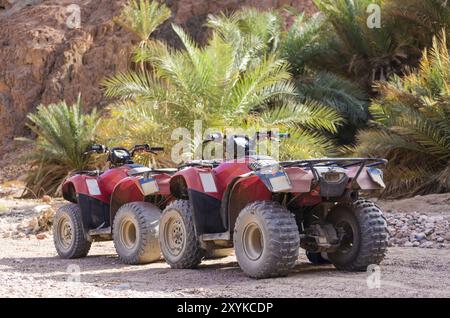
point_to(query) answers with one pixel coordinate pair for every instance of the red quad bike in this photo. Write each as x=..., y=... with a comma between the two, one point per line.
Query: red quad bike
x=122, y=204
x=267, y=210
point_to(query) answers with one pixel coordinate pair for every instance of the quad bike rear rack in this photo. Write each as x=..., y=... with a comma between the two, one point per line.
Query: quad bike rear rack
x=335, y=162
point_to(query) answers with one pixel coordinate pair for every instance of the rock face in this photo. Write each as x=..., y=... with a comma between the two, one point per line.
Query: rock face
x=46, y=55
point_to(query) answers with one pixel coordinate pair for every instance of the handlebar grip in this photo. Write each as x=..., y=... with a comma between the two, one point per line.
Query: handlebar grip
x=271, y=134
x=143, y=147
x=284, y=135
x=157, y=149
x=97, y=148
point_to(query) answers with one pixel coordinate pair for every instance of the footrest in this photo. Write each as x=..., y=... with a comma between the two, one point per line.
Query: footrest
x=102, y=231
x=215, y=236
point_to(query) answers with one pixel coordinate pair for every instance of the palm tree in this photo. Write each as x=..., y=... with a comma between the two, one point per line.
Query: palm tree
x=63, y=135
x=303, y=47
x=352, y=49
x=263, y=29
x=142, y=18
x=303, y=44
x=412, y=126
x=341, y=95
x=222, y=85
x=420, y=19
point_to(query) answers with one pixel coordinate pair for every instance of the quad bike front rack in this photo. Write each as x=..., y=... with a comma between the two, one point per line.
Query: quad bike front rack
x=335, y=162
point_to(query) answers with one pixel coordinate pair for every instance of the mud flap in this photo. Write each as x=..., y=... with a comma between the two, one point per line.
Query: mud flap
x=206, y=213
x=94, y=213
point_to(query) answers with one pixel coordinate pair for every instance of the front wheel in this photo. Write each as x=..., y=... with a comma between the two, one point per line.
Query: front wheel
x=363, y=234
x=179, y=243
x=135, y=233
x=266, y=240
x=68, y=233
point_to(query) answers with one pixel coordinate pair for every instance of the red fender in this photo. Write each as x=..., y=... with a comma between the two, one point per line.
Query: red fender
x=300, y=179
x=78, y=184
x=190, y=177
x=244, y=191
x=127, y=190
x=163, y=181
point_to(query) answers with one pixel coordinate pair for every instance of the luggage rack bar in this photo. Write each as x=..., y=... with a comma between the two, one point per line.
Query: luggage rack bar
x=335, y=162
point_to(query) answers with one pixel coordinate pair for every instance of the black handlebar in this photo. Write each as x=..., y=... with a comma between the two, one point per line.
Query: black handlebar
x=146, y=148
x=97, y=148
x=217, y=137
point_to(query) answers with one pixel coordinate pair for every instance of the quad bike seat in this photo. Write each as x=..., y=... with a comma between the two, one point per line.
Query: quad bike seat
x=139, y=170
x=92, y=173
x=143, y=170
x=165, y=170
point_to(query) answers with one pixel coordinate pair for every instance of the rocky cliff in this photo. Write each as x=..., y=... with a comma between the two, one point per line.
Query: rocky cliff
x=55, y=49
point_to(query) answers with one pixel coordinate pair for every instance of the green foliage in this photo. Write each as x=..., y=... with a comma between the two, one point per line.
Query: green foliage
x=233, y=81
x=304, y=45
x=338, y=40
x=341, y=95
x=412, y=126
x=420, y=19
x=338, y=93
x=143, y=17
x=63, y=134
x=358, y=52
x=260, y=30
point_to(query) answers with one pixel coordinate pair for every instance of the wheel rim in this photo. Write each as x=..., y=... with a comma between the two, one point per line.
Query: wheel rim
x=345, y=231
x=65, y=233
x=253, y=242
x=128, y=233
x=174, y=235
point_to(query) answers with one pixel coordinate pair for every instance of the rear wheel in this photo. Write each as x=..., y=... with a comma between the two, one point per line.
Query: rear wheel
x=363, y=231
x=266, y=240
x=68, y=233
x=135, y=233
x=179, y=243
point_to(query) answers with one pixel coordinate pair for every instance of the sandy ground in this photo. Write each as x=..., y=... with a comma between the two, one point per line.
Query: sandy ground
x=429, y=204
x=29, y=267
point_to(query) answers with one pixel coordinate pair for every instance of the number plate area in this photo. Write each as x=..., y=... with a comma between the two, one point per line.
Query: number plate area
x=376, y=175
x=277, y=182
x=148, y=186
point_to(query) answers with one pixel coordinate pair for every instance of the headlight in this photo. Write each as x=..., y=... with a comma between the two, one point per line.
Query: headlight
x=268, y=166
x=273, y=169
x=333, y=176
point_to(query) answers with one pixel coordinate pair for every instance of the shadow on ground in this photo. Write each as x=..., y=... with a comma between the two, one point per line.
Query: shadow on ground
x=107, y=271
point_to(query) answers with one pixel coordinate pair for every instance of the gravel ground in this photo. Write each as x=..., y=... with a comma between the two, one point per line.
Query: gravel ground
x=30, y=268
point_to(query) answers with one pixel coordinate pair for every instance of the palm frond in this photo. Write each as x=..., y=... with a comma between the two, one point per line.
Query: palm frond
x=412, y=120
x=143, y=17
x=63, y=134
